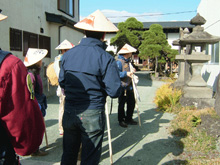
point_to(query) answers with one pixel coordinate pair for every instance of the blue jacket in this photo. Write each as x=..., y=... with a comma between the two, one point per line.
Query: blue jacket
x=122, y=72
x=88, y=74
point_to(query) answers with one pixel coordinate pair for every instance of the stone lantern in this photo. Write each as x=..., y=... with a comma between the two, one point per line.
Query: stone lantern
x=192, y=57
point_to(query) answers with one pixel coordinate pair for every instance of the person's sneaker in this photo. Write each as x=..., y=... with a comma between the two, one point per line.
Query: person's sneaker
x=131, y=122
x=39, y=153
x=123, y=124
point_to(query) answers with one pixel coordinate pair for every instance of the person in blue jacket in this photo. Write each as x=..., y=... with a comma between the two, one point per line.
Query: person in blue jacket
x=127, y=95
x=87, y=74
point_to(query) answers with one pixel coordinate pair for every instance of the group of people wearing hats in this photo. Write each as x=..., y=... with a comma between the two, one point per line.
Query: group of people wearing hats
x=87, y=75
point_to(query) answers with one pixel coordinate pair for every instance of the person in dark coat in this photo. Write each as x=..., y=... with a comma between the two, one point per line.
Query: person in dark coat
x=88, y=74
x=127, y=95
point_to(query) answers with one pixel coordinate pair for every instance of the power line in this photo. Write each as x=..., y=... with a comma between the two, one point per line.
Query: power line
x=155, y=14
x=212, y=24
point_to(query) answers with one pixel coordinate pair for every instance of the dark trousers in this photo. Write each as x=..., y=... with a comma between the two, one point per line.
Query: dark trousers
x=127, y=96
x=86, y=127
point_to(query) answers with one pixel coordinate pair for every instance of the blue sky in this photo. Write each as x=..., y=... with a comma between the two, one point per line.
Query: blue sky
x=143, y=10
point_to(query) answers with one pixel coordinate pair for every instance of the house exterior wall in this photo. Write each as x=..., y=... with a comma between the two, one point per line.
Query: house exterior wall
x=108, y=37
x=171, y=37
x=29, y=16
x=209, y=9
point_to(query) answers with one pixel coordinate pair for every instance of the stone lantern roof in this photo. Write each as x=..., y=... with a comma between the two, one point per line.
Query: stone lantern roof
x=198, y=36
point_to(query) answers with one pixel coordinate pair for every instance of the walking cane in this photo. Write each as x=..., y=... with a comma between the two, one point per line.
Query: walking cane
x=109, y=133
x=135, y=97
x=111, y=106
x=45, y=133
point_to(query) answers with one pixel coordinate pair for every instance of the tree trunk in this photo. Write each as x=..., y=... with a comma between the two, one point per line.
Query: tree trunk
x=156, y=65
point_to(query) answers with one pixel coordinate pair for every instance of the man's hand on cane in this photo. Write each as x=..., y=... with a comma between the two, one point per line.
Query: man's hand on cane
x=129, y=74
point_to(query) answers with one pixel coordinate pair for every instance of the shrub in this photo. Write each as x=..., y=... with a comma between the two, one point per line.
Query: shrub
x=167, y=98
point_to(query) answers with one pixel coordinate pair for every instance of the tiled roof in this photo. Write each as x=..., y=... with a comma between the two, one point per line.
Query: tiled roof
x=168, y=24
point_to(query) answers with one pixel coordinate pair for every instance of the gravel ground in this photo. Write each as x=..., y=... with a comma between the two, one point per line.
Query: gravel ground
x=149, y=143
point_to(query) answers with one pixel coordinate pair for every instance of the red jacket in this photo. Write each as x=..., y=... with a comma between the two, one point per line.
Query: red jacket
x=19, y=114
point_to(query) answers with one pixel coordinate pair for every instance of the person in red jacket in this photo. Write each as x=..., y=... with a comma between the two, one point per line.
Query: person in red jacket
x=21, y=122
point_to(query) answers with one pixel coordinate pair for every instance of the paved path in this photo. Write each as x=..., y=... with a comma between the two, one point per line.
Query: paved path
x=149, y=144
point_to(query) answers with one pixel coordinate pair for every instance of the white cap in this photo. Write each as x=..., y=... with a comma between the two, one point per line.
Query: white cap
x=2, y=17
x=96, y=22
x=127, y=49
x=65, y=45
x=34, y=55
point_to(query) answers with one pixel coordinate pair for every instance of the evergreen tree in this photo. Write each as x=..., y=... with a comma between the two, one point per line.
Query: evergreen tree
x=129, y=32
x=155, y=46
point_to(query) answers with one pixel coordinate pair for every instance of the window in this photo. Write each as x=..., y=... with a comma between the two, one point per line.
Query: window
x=15, y=39
x=30, y=40
x=215, y=53
x=44, y=43
x=66, y=6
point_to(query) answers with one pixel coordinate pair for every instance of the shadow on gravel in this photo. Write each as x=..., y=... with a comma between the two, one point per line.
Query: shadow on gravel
x=53, y=100
x=55, y=152
x=51, y=122
x=124, y=140
x=128, y=138
x=144, y=79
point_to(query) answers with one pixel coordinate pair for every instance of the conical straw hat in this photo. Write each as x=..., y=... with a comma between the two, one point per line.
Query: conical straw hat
x=2, y=17
x=127, y=49
x=96, y=22
x=34, y=55
x=65, y=45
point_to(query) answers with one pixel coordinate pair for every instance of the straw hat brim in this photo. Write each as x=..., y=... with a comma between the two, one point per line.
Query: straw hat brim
x=2, y=17
x=64, y=45
x=32, y=58
x=96, y=22
x=127, y=49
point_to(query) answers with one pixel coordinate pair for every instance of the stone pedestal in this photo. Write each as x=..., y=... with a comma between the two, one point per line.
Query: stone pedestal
x=183, y=75
x=193, y=55
x=180, y=81
x=195, y=90
x=217, y=97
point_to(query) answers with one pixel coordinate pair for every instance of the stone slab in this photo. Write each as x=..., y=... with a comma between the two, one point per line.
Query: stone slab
x=198, y=92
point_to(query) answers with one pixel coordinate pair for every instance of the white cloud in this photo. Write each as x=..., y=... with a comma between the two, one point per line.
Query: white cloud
x=121, y=16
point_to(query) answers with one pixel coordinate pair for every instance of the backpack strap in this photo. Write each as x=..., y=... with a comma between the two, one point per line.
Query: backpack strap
x=3, y=54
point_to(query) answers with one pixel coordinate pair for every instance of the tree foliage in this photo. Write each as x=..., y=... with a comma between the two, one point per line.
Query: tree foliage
x=129, y=32
x=155, y=46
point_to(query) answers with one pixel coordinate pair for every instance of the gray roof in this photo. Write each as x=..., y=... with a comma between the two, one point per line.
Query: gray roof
x=170, y=24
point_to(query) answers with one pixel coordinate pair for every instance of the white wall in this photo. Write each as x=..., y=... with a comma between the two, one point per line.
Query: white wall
x=171, y=37
x=29, y=15
x=108, y=37
x=209, y=9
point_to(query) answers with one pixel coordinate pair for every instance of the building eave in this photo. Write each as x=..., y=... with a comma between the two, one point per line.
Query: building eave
x=62, y=20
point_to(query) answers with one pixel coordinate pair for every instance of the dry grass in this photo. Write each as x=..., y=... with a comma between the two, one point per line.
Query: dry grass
x=197, y=142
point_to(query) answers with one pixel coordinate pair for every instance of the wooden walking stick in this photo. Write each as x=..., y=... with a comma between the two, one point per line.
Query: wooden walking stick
x=45, y=133
x=135, y=96
x=109, y=133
